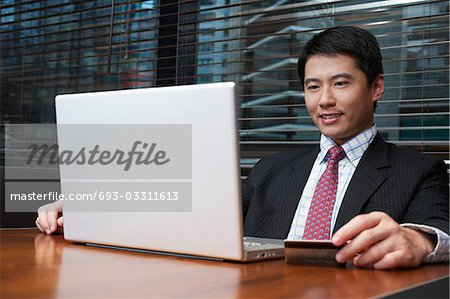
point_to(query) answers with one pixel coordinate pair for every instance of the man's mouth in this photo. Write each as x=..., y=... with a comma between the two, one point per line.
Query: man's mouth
x=330, y=116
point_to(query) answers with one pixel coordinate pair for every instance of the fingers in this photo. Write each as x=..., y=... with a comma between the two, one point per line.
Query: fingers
x=391, y=260
x=47, y=218
x=52, y=216
x=366, y=238
x=59, y=205
x=375, y=253
x=381, y=242
x=61, y=221
x=42, y=221
x=39, y=225
x=365, y=241
x=369, y=242
x=410, y=248
x=355, y=226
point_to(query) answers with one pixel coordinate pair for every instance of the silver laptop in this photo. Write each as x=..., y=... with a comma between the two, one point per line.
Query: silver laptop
x=194, y=130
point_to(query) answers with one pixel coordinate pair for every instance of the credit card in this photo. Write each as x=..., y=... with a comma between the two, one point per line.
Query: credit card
x=311, y=252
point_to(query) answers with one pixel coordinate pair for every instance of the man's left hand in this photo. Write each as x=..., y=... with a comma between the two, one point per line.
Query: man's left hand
x=377, y=240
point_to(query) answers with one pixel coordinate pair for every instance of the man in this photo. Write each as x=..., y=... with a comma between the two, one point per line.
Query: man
x=378, y=185
x=356, y=185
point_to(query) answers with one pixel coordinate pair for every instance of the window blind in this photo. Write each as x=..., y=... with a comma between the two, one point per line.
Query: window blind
x=53, y=47
x=256, y=44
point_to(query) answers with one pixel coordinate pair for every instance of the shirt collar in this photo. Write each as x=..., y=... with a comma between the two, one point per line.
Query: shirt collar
x=354, y=148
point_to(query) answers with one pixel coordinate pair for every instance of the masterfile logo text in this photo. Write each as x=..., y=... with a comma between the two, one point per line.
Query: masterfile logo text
x=103, y=167
x=141, y=153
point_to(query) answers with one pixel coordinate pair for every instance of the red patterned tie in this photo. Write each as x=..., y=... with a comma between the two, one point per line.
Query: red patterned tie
x=318, y=223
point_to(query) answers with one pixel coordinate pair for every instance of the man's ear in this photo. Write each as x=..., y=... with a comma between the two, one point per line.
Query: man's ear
x=378, y=88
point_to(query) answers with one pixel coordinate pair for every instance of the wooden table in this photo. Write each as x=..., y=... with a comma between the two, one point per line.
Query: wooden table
x=37, y=265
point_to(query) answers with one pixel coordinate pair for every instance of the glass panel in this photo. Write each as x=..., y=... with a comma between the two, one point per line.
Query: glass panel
x=256, y=44
x=55, y=47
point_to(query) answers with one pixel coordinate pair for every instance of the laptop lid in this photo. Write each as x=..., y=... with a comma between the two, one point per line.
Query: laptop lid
x=211, y=225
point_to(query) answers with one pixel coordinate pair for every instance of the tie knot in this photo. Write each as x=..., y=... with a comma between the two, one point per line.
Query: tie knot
x=336, y=153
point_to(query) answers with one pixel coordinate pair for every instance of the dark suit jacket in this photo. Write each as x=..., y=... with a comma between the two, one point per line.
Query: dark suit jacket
x=407, y=185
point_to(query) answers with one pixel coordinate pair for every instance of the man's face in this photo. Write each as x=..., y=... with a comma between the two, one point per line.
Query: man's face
x=338, y=97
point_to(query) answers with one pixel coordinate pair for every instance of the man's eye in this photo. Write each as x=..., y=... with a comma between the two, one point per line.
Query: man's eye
x=312, y=87
x=341, y=83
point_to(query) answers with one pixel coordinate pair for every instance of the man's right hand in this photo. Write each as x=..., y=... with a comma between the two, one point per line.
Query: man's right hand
x=47, y=220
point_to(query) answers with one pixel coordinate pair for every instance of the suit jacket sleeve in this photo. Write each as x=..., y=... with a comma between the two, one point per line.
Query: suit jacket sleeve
x=430, y=205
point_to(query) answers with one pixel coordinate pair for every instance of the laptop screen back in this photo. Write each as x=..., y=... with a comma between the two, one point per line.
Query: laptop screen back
x=194, y=130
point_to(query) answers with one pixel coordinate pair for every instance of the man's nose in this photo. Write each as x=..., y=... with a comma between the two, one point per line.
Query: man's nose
x=327, y=98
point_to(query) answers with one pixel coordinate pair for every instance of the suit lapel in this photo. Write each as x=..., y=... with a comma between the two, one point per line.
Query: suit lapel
x=292, y=185
x=365, y=181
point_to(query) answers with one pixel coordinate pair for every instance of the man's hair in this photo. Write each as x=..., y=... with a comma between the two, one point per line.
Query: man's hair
x=355, y=42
